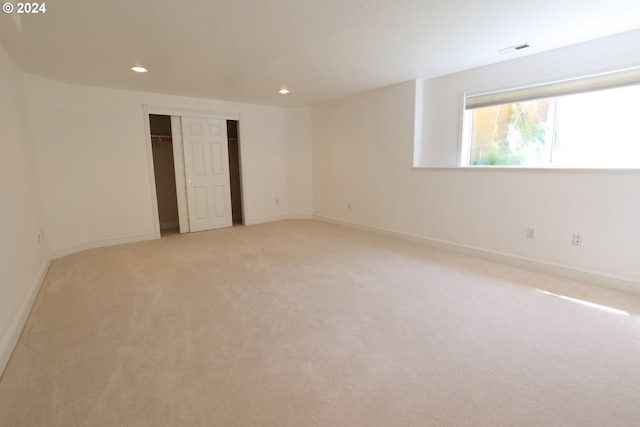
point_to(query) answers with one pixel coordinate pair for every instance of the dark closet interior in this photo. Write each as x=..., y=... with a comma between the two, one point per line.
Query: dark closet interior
x=164, y=170
x=234, y=171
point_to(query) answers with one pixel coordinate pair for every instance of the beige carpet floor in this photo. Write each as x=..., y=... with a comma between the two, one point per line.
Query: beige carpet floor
x=302, y=323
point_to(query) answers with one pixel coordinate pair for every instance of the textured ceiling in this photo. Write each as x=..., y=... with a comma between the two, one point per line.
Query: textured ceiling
x=244, y=50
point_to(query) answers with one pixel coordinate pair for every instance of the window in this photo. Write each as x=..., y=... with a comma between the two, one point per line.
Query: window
x=587, y=123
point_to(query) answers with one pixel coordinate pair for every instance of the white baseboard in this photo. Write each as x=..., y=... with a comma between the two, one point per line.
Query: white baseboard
x=102, y=243
x=142, y=237
x=14, y=330
x=598, y=278
x=255, y=221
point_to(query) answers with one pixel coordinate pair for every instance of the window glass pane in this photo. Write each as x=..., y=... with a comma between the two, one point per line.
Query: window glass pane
x=599, y=129
x=511, y=134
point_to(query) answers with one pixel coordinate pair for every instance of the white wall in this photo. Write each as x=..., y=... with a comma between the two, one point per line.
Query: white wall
x=92, y=156
x=299, y=162
x=23, y=260
x=362, y=148
x=363, y=152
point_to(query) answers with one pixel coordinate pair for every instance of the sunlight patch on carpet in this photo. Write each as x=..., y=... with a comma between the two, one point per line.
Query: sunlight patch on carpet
x=587, y=303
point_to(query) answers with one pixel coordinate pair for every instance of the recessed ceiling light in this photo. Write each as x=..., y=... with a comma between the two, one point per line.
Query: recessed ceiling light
x=138, y=69
x=284, y=91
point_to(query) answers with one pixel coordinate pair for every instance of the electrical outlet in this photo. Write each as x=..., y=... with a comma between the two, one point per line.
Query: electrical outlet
x=577, y=239
x=531, y=233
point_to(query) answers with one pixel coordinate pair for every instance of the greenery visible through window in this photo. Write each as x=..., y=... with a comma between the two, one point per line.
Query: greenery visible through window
x=598, y=129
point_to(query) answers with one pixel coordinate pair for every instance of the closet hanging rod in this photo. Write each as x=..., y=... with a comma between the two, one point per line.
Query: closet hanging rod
x=160, y=138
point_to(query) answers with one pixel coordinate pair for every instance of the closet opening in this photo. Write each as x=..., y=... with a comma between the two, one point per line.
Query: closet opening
x=234, y=171
x=180, y=208
x=164, y=171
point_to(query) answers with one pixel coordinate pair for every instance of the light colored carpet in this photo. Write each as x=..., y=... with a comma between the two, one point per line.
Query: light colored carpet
x=301, y=323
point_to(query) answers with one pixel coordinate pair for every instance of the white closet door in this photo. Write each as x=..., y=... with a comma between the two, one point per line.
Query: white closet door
x=206, y=164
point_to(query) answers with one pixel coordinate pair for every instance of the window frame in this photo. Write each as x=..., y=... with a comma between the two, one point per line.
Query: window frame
x=549, y=89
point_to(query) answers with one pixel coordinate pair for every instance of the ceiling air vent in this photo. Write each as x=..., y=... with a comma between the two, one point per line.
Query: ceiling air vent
x=514, y=48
